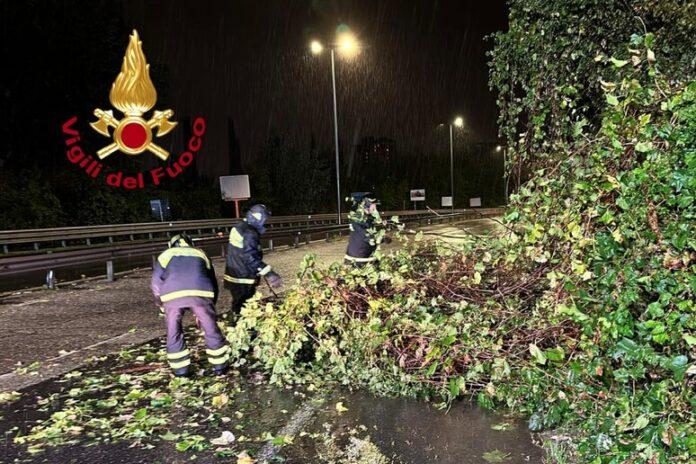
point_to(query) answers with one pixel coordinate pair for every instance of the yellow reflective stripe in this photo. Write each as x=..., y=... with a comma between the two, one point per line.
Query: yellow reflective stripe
x=168, y=254
x=239, y=280
x=182, y=293
x=257, y=216
x=360, y=260
x=178, y=355
x=265, y=270
x=180, y=364
x=221, y=360
x=217, y=352
x=236, y=238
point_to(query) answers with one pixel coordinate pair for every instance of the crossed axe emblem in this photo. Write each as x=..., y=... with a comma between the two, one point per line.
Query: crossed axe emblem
x=133, y=134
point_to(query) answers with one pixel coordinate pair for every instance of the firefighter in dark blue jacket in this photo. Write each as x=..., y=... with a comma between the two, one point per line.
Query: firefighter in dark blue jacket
x=183, y=278
x=245, y=266
x=366, y=230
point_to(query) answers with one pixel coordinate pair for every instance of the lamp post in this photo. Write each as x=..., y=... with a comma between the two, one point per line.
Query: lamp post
x=505, y=178
x=347, y=45
x=459, y=122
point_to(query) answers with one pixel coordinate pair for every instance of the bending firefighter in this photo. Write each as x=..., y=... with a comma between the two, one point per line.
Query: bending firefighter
x=245, y=266
x=366, y=230
x=183, y=278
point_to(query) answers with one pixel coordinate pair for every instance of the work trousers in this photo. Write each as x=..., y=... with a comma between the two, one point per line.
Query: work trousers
x=177, y=353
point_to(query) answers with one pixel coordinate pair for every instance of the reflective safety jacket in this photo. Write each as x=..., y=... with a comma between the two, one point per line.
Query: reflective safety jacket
x=244, y=256
x=181, y=272
x=361, y=244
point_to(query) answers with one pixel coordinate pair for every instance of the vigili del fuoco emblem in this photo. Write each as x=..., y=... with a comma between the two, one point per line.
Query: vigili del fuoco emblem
x=133, y=94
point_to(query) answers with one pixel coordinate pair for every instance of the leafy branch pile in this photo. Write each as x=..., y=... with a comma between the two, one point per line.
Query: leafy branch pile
x=580, y=313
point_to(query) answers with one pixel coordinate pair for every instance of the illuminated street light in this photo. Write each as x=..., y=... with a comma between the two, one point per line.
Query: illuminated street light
x=459, y=122
x=316, y=47
x=348, y=46
x=498, y=148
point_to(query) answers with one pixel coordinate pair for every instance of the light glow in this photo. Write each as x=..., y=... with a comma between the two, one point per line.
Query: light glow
x=348, y=44
x=459, y=121
x=316, y=47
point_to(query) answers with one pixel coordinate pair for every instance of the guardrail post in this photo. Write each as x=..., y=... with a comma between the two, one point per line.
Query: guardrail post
x=51, y=280
x=308, y=239
x=327, y=236
x=5, y=249
x=223, y=250
x=296, y=241
x=88, y=242
x=149, y=235
x=270, y=244
x=131, y=237
x=153, y=259
x=36, y=246
x=110, y=271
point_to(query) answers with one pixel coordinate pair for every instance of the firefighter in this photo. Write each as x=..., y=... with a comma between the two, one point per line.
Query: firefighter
x=365, y=235
x=183, y=278
x=245, y=267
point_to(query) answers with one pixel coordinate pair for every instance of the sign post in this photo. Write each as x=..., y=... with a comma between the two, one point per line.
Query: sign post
x=416, y=196
x=235, y=188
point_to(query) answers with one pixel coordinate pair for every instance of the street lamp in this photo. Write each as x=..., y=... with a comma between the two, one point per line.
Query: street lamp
x=459, y=122
x=505, y=178
x=348, y=46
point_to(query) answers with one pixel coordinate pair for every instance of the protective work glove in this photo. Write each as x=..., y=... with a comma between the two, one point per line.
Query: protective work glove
x=274, y=280
x=161, y=310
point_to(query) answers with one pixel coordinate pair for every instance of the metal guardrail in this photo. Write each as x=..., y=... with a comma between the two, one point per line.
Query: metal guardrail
x=16, y=265
x=86, y=235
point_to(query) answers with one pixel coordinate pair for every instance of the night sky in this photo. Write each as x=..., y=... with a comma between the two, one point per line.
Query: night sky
x=248, y=63
x=422, y=63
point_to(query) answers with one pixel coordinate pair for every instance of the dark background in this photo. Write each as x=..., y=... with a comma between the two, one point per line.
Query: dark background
x=245, y=67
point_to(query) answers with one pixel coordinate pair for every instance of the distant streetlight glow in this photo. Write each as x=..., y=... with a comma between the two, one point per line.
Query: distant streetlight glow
x=498, y=148
x=459, y=121
x=316, y=47
x=347, y=44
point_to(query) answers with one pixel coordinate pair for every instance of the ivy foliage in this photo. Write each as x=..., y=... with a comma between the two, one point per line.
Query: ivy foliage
x=547, y=67
x=579, y=314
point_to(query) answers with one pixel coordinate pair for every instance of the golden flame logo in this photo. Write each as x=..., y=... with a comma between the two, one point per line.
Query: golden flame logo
x=133, y=94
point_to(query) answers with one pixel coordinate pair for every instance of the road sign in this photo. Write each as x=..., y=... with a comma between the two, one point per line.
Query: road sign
x=475, y=202
x=418, y=195
x=160, y=210
x=446, y=202
x=235, y=188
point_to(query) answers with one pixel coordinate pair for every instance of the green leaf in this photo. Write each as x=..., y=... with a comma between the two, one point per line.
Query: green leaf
x=677, y=364
x=612, y=100
x=537, y=354
x=644, y=147
x=496, y=456
x=618, y=63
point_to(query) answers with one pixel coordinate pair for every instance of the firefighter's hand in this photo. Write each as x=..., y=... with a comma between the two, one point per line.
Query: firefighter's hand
x=274, y=280
x=161, y=310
